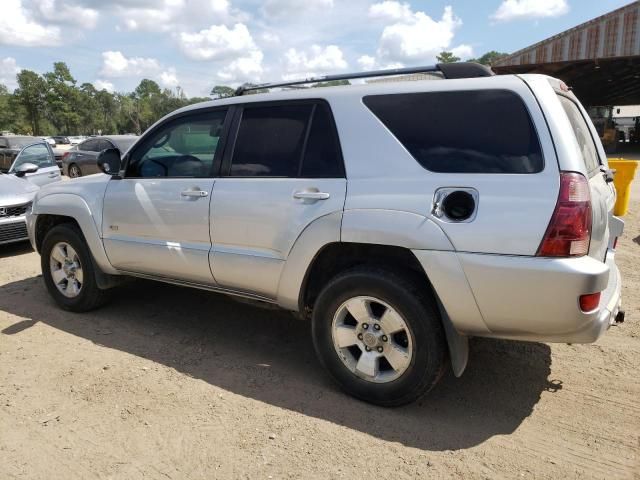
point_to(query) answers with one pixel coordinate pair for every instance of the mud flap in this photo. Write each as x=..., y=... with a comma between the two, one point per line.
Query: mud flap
x=458, y=344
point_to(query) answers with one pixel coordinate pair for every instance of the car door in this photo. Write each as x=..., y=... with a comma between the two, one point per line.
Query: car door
x=41, y=155
x=156, y=218
x=284, y=171
x=87, y=155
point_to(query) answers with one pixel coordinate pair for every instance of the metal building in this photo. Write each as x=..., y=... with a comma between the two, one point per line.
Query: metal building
x=599, y=59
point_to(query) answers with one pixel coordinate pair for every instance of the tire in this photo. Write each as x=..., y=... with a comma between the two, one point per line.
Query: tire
x=89, y=296
x=74, y=171
x=424, y=348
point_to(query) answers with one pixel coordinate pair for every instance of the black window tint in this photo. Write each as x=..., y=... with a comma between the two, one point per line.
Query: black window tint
x=322, y=158
x=89, y=146
x=485, y=131
x=270, y=141
x=583, y=135
x=185, y=147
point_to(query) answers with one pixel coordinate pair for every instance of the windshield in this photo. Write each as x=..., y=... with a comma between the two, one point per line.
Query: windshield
x=123, y=144
x=19, y=142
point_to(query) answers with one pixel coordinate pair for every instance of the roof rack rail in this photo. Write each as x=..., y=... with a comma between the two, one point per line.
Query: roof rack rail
x=448, y=71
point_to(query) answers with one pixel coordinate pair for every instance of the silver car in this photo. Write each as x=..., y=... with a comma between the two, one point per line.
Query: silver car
x=81, y=159
x=400, y=218
x=15, y=151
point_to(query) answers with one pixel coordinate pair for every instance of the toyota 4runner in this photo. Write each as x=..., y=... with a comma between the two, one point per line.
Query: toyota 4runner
x=400, y=217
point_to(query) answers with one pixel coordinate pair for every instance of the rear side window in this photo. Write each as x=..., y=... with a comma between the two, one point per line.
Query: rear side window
x=582, y=134
x=270, y=141
x=322, y=158
x=484, y=131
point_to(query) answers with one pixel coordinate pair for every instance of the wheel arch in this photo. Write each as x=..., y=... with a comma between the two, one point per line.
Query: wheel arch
x=59, y=208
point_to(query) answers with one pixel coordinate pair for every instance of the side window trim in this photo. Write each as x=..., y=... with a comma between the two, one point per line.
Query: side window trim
x=303, y=151
x=234, y=128
x=217, y=159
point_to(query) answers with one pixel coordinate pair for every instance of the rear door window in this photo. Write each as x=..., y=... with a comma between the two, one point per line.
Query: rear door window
x=483, y=131
x=270, y=141
x=582, y=133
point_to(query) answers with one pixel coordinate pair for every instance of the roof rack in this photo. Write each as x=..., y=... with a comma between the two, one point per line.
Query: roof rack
x=448, y=71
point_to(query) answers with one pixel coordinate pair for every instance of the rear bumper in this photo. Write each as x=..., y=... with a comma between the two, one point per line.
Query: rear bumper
x=533, y=299
x=537, y=299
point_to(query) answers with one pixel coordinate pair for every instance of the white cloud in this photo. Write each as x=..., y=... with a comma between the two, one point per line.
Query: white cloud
x=217, y=42
x=174, y=15
x=289, y=8
x=315, y=61
x=61, y=11
x=390, y=10
x=168, y=78
x=413, y=36
x=19, y=28
x=367, y=62
x=463, y=51
x=8, y=71
x=104, y=85
x=529, y=9
x=116, y=65
x=247, y=68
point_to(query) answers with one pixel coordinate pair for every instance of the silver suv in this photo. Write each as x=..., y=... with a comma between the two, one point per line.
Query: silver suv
x=400, y=217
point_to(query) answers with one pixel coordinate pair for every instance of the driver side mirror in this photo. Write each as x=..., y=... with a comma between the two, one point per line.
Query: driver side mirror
x=25, y=168
x=109, y=161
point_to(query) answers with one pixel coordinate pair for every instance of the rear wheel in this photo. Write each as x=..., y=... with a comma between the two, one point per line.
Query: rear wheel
x=68, y=270
x=74, y=171
x=379, y=336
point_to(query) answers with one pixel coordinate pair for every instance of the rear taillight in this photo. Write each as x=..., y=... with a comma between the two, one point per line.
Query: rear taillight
x=569, y=230
x=65, y=155
x=589, y=302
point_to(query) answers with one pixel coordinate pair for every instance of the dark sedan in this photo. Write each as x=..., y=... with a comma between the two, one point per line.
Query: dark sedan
x=82, y=159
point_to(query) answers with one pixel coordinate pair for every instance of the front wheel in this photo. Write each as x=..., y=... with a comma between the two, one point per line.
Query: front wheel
x=68, y=270
x=379, y=336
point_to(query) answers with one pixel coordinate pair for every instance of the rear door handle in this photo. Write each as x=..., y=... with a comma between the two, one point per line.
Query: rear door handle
x=194, y=193
x=311, y=195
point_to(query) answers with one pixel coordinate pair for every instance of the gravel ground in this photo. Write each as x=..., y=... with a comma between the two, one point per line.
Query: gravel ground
x=167, y=382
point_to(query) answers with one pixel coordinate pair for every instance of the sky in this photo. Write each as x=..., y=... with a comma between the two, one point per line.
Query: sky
x=196, y=44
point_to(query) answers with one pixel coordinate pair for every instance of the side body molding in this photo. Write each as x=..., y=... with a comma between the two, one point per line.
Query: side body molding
x=71, y=205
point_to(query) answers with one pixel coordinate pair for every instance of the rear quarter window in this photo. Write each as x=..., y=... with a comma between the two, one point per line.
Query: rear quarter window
x=582, y=134
x=482, y=131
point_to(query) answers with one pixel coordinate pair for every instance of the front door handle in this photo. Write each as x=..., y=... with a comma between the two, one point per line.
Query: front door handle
x=53, y=175
x=194, y=193
x=311, y=195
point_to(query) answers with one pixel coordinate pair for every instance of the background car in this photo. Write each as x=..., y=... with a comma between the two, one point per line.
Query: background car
x=63, y=144
x=16, y=151
x=81, y=160
x=16, y=195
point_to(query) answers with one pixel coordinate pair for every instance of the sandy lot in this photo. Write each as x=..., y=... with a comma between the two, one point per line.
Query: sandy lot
x=167, y=382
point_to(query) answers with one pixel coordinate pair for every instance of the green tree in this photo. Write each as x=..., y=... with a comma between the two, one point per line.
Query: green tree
x=222, y=91
x=447, y=57
x=31, y=94
x=63, y=99
x=331, y=83
x=489, y=58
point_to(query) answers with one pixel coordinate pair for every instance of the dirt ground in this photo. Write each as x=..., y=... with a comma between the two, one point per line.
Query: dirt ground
x=167, y=382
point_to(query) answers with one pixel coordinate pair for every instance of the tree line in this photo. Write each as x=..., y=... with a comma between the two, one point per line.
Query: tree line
x=54, y=103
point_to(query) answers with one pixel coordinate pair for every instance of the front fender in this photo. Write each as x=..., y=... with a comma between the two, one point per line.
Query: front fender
x=74, y=206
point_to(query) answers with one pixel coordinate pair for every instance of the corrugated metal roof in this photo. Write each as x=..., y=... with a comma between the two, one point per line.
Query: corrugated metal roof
x=613, y=35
